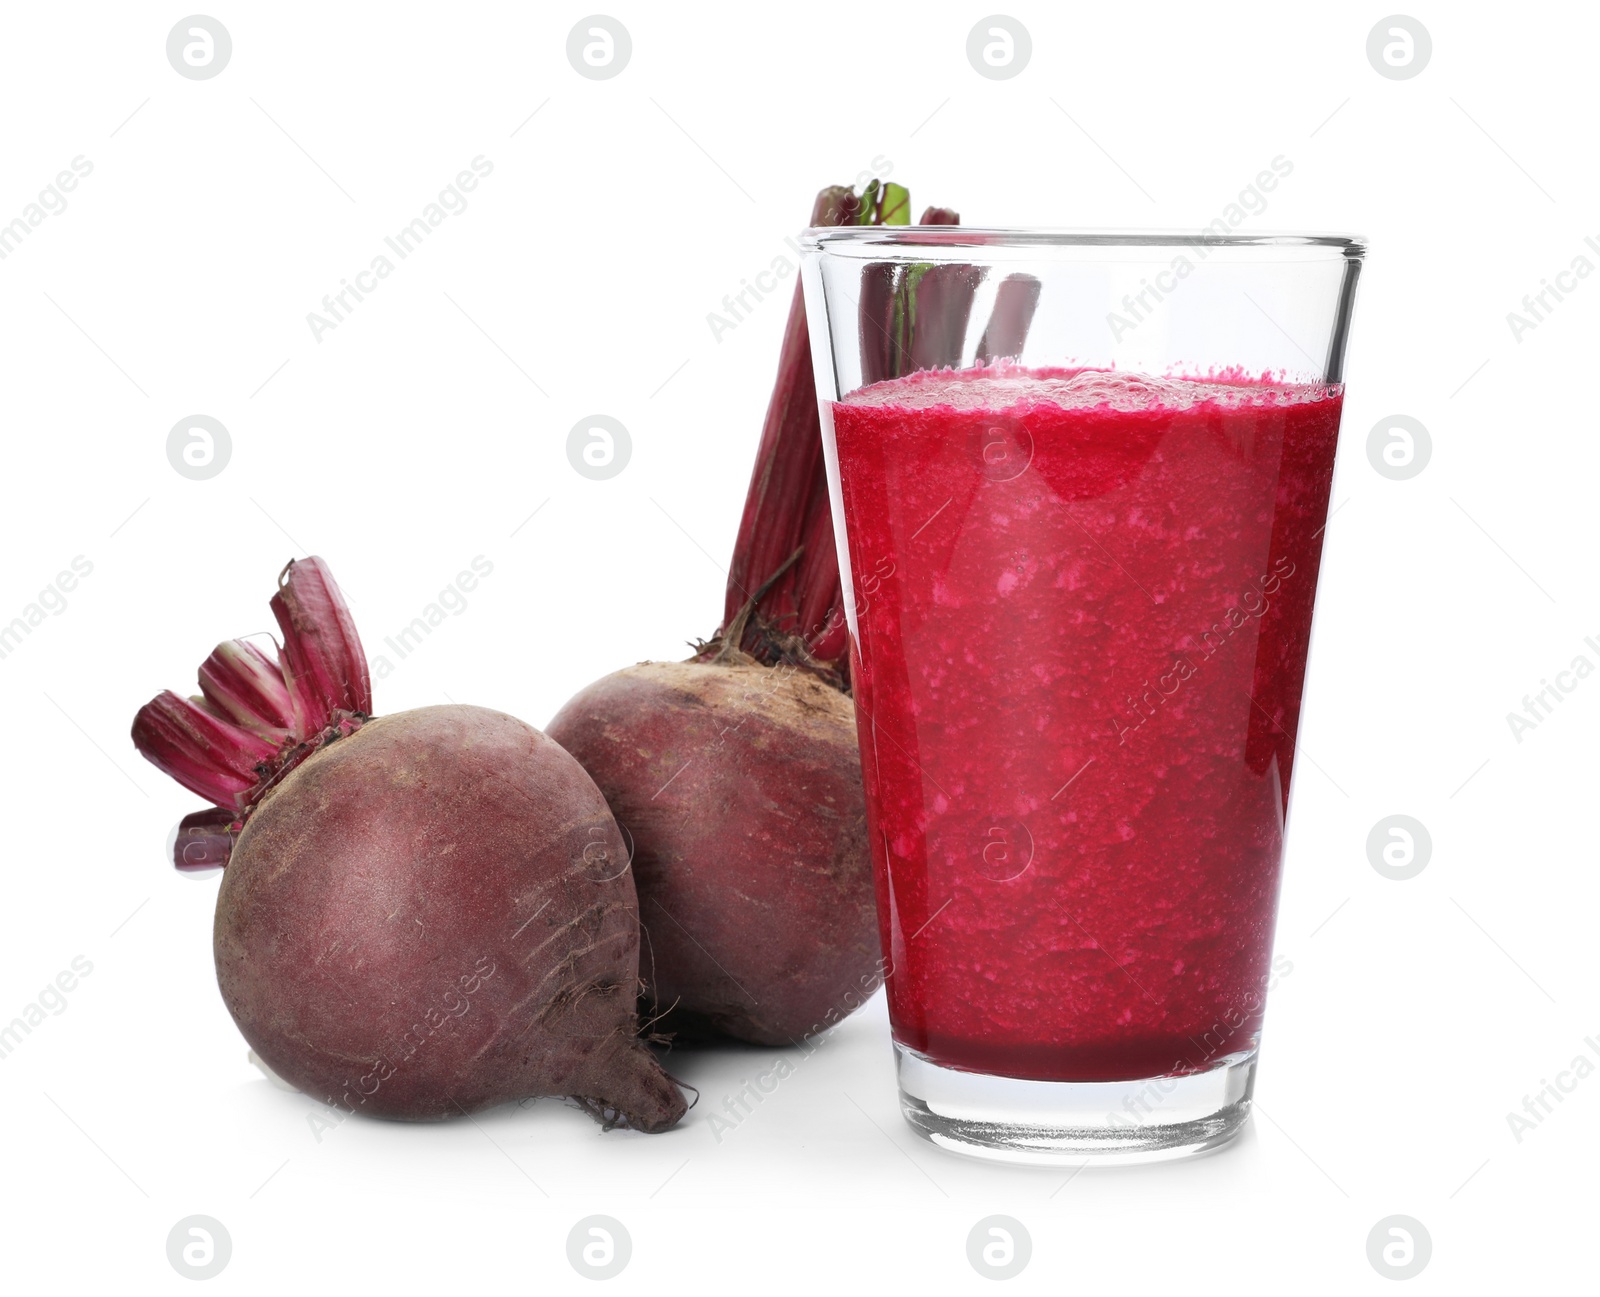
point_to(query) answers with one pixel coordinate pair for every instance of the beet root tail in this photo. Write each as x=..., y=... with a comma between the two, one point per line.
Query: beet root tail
x=639, y=1094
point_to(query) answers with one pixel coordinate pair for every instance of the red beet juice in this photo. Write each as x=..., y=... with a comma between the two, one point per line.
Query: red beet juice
x=1083, y=603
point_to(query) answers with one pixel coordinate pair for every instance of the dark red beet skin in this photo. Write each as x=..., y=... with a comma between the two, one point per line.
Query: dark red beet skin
x=433, y=915
x=741, y=788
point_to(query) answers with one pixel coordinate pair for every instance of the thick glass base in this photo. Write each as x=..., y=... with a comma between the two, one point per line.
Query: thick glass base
x=1065, y=1123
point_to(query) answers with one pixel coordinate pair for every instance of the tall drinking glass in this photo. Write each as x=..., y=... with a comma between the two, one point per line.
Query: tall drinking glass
x=1079, y=485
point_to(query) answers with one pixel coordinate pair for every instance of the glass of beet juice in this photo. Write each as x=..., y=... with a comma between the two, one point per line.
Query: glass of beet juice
x=1079, y=484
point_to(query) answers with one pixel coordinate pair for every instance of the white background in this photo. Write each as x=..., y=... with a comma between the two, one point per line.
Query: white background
x=431, y=423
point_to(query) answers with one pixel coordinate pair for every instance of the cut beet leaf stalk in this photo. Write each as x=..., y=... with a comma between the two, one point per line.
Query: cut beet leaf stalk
x=207, y=754
x=1007, y=330
x=204, y=841
x=878, y=348
x=258, y=719
x=247, y=686
x=934, y=308
x=323, y=661
x=800, y=617
x=893, y=340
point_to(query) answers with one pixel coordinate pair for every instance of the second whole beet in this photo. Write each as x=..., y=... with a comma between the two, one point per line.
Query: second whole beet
x=740, y=785
x=738, y=772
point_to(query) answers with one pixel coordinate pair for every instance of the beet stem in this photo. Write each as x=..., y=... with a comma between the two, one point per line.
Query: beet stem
x=732, y=637
x=796, y=614
x=323, y=660
x=204, y=841
x=247, y=686
x=257, y=719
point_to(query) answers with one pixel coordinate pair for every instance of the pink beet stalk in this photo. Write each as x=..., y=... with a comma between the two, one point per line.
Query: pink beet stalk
x=204, y=752
x=247, y=686
x=259, y=719
x=787, y=504
x=785, y=547
x=205, y=840
x=323, y=661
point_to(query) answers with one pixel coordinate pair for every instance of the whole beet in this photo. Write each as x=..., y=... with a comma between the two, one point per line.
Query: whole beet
x=421, y=914
x=738, y=773
x=741, y=787
x=432, y=915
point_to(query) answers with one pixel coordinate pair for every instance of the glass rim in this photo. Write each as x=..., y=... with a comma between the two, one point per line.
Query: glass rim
x=841, y=237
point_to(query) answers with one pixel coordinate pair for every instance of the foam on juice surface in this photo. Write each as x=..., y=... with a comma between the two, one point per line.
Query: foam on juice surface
x=1006, y=388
